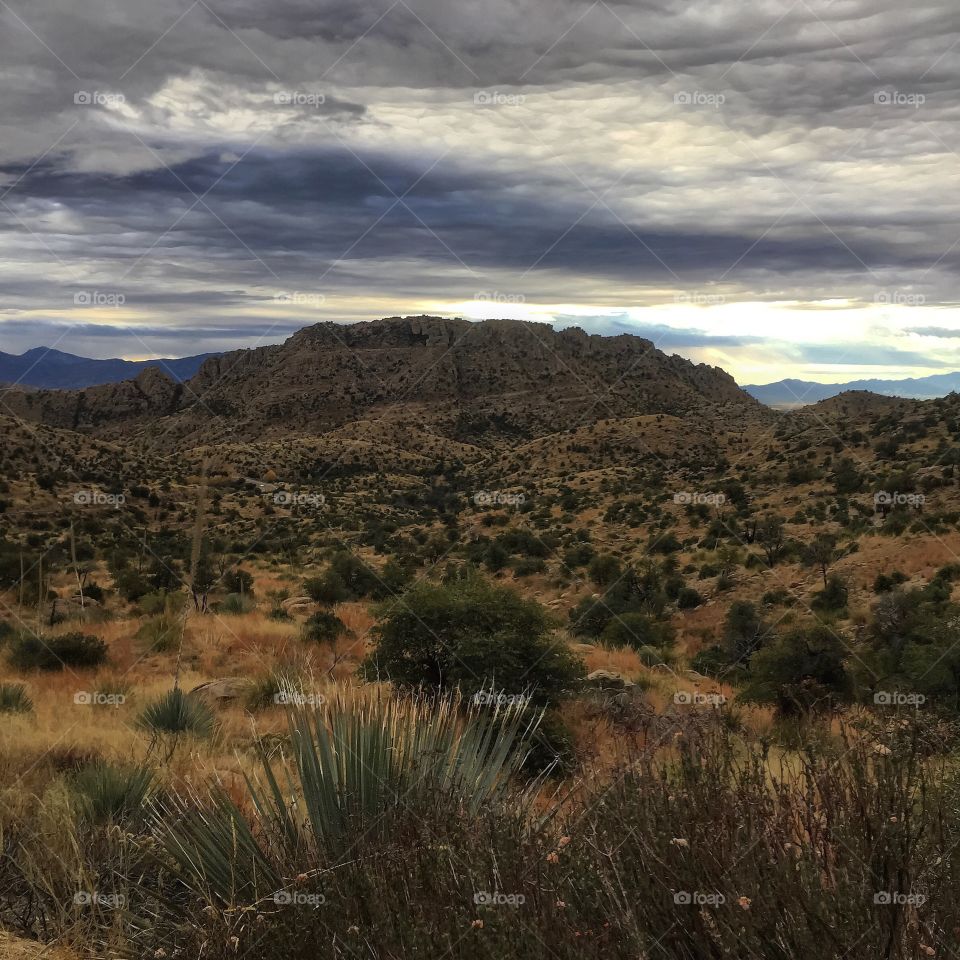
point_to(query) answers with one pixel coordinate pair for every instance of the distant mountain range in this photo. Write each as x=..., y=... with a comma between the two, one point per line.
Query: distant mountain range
x=788, y=394
x=54, y=370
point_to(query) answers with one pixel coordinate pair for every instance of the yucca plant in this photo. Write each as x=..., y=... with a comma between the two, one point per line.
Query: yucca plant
x=176, y=713
x=14, y=699
x=236, y=604
x=111, y=794
x=354, y=763
x=160, y=634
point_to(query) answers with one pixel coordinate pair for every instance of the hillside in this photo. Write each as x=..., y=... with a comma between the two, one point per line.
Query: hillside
x=487, y=382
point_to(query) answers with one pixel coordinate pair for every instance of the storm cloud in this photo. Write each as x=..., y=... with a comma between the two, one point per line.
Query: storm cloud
x=207, y=169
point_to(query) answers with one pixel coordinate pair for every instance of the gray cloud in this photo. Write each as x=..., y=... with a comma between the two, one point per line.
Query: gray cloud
x=619, y=154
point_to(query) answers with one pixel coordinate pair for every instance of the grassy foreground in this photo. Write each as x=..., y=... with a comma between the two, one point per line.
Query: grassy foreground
x=381, y=827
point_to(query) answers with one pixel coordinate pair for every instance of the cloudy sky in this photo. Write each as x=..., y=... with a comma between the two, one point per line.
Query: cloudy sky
x=767, y=185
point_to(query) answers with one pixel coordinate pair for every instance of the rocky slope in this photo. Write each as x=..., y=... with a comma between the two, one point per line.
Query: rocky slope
x=494, y=382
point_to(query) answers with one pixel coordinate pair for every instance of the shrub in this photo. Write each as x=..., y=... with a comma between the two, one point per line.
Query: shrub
x=31, y=652
x=634, y=592
x=110, y=794
x=329, y=588
x=527, y=566
x=604, y=569
x=688, y=598
x=801, y=672
x=744, y=631
x=176, y=713
x=636, y=630
x=833, y=597
x=236, y=604
x=14, y=699
x=323, y=627
x=160, y=634
x=470, y=634
x=238, y=580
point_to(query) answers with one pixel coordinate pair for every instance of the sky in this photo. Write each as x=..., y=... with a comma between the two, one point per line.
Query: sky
x=764, y=185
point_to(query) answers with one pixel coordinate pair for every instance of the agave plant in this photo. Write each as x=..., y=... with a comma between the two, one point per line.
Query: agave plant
x=353, y=762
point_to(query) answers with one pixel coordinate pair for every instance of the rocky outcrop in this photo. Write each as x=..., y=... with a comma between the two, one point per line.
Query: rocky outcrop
x=467, y=381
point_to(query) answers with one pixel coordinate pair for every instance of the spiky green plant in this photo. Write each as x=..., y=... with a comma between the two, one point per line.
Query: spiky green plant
x=176, y=713
x=236, y=604
x=111, y=794
x=14, y=699
x=353, y=763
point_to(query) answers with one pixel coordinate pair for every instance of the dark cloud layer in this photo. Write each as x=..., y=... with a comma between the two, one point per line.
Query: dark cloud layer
x=241, y=167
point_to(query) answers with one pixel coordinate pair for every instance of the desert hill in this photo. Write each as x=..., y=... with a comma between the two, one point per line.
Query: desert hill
x=487, y=382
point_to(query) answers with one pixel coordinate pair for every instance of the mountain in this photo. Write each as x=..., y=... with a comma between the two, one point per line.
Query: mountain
x=490, y=383
x=56, y=370
x=789, y=394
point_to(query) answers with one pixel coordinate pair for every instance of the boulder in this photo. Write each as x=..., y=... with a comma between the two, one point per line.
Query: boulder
x=608, y=680
x=221, y=690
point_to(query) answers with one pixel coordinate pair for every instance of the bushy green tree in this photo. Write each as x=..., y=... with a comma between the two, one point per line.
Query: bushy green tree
x=471, y=634
x=802, y=672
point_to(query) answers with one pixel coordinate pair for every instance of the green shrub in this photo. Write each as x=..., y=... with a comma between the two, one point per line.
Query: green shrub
x=28, y=651
x=636, y=591
x=637, y=630
x=470, y=634
x=603, y=569
x=323, y=627
x=833, y=598
x=238, y=580
x=688, y=598
x=801, y=672
x=528, y=566
x=329, y=588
